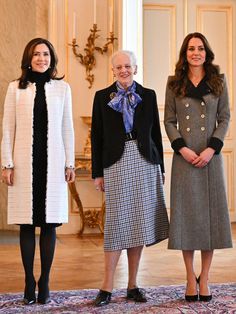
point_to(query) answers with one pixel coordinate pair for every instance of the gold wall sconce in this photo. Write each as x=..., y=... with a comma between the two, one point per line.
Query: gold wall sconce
x=88, y=59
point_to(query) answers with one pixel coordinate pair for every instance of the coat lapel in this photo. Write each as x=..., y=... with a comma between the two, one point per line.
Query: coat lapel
x=139, y=108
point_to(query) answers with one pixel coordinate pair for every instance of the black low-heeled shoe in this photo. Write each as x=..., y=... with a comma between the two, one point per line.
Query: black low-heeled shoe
x=136, y=294
x=202, y=297
x=43, y=295
x=29, y=293
x=29, y=300
x=44, y=300
x=103, y=298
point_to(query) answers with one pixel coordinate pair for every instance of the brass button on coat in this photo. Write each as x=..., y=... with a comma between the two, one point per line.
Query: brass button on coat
x=202, y=128
x=202, y=116
x=187, y=117
x=188, y=129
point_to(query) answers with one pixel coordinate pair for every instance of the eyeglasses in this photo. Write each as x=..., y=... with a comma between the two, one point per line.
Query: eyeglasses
x=120, y=67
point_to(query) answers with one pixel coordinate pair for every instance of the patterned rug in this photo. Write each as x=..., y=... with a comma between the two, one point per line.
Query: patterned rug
x=162, y=299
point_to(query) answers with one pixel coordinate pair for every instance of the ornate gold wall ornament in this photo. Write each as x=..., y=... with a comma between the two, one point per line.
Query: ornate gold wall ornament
x=88, y=59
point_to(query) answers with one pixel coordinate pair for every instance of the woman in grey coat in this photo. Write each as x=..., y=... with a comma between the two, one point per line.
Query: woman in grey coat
x=196, y=120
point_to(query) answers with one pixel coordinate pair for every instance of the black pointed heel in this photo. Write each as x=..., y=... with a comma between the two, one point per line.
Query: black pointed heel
x=204, y=298
x=43, y=295
x=192, y=298
x=29, y=293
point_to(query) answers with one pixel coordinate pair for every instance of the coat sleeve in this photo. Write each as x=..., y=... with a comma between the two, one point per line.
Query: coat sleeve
x=156, y=131
x=97, y=139
x=223, y=114
x=170, y=121
x=9, y=127
x=68, y=129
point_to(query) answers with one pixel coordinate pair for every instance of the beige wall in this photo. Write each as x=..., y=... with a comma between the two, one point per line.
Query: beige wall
x=20, y=22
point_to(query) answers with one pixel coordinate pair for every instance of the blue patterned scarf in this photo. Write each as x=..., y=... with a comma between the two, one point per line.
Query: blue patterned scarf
x=125, y=101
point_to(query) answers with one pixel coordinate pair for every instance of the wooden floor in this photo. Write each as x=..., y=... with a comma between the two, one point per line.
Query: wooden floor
x=78, y=264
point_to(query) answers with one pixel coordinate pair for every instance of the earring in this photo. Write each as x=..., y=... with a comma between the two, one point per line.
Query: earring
x=29, y=67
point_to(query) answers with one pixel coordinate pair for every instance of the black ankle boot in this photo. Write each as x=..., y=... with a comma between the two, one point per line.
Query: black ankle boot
x=29, y=293
x=43, y=294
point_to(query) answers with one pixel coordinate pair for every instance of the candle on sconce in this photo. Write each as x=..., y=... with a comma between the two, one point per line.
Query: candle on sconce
x=94, y=11
x=111, y=19
x=74, y=26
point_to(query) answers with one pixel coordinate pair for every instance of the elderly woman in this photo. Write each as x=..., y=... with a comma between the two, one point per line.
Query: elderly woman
x=127, y=163
x=196, y=119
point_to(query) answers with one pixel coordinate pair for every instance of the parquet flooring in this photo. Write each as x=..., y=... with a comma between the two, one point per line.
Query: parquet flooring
x=78, y=264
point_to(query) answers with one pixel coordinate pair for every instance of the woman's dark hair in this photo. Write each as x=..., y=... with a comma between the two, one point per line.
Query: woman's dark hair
x=178, y=83
x=27, y=57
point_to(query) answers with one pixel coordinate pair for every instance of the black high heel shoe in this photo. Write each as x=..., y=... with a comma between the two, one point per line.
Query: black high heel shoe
x=29, y=293
x=43, y=295
x=191, y=298
x=204, y=298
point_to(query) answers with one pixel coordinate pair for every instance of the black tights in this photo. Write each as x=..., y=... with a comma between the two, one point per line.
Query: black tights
x=47, y=243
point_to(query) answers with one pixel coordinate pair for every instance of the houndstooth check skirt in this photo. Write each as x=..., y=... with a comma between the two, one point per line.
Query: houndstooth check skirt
x=135, y=206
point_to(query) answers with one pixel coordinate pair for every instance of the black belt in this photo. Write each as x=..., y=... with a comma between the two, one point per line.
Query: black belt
x=130, y=136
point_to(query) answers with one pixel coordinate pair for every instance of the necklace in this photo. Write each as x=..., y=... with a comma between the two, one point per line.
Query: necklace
x=195, y=81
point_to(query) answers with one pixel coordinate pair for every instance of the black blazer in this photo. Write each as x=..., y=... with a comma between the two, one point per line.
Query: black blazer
x=108, y=130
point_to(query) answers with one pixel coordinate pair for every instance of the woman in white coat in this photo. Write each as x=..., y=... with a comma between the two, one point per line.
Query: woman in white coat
x=38, y=158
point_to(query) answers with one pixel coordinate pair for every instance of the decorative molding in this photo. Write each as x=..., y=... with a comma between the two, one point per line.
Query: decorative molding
x=185, y=17
x=228, y=10
x=132, y=31
x=172, y=10
x=58, y=18
x=229, y=135
x=112, y=49
x=228, y=155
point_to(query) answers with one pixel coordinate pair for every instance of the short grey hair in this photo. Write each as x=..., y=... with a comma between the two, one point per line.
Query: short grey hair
x=129, y=53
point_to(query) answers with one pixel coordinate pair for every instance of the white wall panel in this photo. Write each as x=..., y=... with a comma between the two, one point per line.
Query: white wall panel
x=160, y=56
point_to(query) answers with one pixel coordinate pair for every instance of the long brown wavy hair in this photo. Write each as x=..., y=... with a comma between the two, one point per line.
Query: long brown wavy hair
x=27, y=58
x=178, y=83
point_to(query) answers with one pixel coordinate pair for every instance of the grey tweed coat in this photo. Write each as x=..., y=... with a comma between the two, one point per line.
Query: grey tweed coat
x=199, y=217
